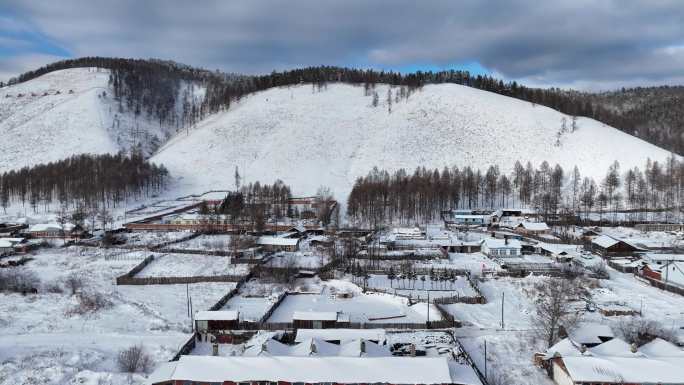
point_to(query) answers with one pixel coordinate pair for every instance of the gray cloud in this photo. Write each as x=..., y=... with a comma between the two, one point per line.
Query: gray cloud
x=579, y=43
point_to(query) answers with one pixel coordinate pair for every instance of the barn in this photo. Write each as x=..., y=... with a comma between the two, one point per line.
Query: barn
x=608, y=246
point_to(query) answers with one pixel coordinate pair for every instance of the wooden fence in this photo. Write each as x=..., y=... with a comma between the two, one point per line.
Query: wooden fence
x=130, y=278
x=126, y=280
x=663, y=285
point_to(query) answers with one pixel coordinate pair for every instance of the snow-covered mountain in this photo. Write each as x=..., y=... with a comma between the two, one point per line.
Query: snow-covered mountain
x=70, y=112
x=307, y=136
x=330, y=137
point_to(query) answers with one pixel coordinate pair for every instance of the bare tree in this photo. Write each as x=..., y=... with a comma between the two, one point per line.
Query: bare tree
x=554, y=308
x=134, y=359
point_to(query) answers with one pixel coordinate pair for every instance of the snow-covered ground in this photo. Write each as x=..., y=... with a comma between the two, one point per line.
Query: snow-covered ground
x=42, y=339
x=216, y=242
x=305, y=260
x=331, y=137
x=367, y=308
x=419, y=288
x=191, y=265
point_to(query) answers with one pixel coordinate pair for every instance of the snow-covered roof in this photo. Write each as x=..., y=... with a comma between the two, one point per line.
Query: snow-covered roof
x=534, y=226
x=588, y=333
x=314, y=315
x=495, y=243
x=614, y=362
x=340, y=334
x=605, y=241
x=638, y=370
x=661, y=348
x=277, y=241
x=5, y=244
x=41, y=227
x=348, y=370
x=222, y=315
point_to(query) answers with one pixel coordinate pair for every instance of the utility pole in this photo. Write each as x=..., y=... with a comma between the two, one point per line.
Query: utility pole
x=503, y=297
x=485, y=359
x=428, y=308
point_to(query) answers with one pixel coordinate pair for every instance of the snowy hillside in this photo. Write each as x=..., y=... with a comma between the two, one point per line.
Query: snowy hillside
x=69, y=112
x=309, y=138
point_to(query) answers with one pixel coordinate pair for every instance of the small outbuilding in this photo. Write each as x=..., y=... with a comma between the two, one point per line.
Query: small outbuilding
x=270, y=243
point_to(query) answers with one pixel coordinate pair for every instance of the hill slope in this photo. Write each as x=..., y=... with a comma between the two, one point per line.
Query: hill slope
x=68, y=112
x=330, y=137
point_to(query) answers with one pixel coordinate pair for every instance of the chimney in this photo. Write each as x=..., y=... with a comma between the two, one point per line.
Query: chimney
x=363, y=346
x=633, y=347
x=506, y=239
x=214, y=349
x=314, y=350
x=583, y=348
x=264, y=347
x=413, y=350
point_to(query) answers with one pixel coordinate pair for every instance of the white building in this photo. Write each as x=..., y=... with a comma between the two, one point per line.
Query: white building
x=501, y=248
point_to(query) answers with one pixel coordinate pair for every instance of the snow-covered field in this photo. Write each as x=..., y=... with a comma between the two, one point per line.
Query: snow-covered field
x=149, y=238
x=43, y=341
x=331, y=137
x=191, y=265
x=367, y=308
x=305, y=260
x=216, y=242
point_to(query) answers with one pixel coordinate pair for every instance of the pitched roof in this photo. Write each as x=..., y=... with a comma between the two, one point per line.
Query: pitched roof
x=348, y=370
x=534, y=226
x=495, y=243
x=605, y=241
x=589, y=332
x=277, y=241
x=223, y=315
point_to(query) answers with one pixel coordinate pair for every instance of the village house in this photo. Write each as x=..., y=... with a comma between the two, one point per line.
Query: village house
x=511, y=217
x=270, y=243
x=532, y=228
x=614, y=362
x=6, y=247
x=501, y=248
x=319, y=319
x=465, y=217
x=54, y=230
x=671, y=272
x=608, y=246
x=265, y=369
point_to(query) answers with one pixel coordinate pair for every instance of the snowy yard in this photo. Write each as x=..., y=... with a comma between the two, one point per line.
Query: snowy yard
x=367, y=308
x=217, y=242
x=250, y=308
x=43, y=340
x=306, y=260
x=152, y=238
x=191, y=265
x=419, y=287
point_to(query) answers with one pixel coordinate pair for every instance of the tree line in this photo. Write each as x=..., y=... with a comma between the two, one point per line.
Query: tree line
x=83, y=181
x=254, y=203
x=382, y=197
x=157, y=88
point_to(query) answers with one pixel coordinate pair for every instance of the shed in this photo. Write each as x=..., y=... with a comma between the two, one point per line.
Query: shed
x=278, y=244
x=318, y=319
x=208, y=321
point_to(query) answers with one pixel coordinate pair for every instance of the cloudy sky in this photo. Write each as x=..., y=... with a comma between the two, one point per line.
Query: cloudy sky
x=569, y=43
